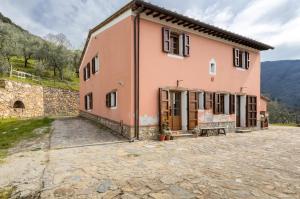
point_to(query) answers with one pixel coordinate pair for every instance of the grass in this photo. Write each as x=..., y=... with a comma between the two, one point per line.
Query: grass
x=6, y=192
x=12, y=131
x=49, y=83
x=285, y=124
x=47, y=79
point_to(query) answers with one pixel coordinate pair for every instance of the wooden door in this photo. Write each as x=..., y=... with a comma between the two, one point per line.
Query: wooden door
x=164, y=107
x=193, y=104
x=175, y=109
x=238, y=111
x=251, y=111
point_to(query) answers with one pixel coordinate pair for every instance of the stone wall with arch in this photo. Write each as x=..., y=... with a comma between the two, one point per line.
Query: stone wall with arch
x=24, y=100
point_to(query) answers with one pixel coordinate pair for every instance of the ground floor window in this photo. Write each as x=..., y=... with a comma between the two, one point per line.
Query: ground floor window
x=111, y=99
x=251, y=109
x=88, y=101
x=219, y=103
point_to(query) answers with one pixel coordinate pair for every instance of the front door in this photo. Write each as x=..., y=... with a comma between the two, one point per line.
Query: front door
x=175, y=110
x=238, y=111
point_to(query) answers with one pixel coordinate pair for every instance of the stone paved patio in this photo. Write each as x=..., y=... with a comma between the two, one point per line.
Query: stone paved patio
x=264, y=164
x=79, y=131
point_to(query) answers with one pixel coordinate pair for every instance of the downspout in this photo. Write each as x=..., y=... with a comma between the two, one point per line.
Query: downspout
x=136, y=73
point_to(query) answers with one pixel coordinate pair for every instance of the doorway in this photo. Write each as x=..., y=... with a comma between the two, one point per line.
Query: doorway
x=175, y=110
x=238, y=111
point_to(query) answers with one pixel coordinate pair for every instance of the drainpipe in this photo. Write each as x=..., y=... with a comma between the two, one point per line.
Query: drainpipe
x=136, y=73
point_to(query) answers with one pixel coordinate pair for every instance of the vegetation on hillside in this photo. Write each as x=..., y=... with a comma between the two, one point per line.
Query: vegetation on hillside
x=50, y=58
x=281, y=114
x=281, y=80
x=12, y=131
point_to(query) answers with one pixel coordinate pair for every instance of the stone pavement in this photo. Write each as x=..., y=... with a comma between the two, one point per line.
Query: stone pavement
x=263, y=164
x=70, y=132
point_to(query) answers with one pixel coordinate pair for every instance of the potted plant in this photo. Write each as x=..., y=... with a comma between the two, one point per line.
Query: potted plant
x=168, y=133
x=162, y=136
x=164, y=132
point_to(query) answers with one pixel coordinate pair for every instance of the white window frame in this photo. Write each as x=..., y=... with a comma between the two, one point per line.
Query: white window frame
x=88, y=104
x=85, y=73
x=111, y=99
x=212, y=61
x=97, y=63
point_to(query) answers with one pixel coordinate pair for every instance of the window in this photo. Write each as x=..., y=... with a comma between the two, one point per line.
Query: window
x=201, y=100
x=111, y=99
x=95, y=64
x=219, y=103
x=241, y=59
x=175, y=43
x=86, y=72
x=88, y=101
x=231, y=104
x=208, y=100
x=251, y=109
x=212, y=67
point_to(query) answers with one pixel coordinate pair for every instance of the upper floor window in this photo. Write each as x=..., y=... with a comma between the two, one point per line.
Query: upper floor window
x=88, y=101
x=212, y=67
x=175, y=43
x=86, y=72
x=241, y=58
x=111, y=99
x=95, y=64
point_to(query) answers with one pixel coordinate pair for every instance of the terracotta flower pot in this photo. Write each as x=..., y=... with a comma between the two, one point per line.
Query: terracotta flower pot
x=162, y=137
x=168, y=137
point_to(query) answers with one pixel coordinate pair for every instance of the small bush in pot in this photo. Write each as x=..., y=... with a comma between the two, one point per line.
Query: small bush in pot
x=165, y=132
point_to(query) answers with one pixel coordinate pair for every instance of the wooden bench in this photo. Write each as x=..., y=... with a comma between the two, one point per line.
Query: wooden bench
x=207, y=131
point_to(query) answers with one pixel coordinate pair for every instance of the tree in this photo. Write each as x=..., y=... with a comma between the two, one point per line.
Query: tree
x=76, y=61
x=8, y=44
x=58, y=39
x=28, y=45
x=58, y=57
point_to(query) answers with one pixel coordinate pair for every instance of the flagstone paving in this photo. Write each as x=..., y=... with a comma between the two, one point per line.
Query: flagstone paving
x=262, y=164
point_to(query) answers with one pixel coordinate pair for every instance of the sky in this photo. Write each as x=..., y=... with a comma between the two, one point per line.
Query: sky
x=274, y=22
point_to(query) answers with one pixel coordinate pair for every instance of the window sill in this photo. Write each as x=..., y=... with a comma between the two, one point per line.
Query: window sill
x=175, y=56
x=240, y=69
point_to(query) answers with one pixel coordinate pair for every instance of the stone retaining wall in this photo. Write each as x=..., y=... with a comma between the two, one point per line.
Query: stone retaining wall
x=36, y=100
x=60, y=102
x=31, y=96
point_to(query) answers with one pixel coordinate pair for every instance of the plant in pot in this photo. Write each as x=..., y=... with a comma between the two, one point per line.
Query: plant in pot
x=163, y=133
x=168, y=133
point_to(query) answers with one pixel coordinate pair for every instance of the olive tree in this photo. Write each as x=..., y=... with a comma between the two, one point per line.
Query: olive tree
x=8, y=44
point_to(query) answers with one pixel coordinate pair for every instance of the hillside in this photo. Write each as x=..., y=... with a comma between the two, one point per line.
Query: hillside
x=281, y=81
x=52, y=62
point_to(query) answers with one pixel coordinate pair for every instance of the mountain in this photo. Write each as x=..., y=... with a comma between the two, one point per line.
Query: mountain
x=281, y=81
x=8, y=21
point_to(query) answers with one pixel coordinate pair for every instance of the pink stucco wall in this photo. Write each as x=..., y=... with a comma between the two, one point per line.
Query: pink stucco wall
x=263, y=104
x=159, y=70
x=115, y=47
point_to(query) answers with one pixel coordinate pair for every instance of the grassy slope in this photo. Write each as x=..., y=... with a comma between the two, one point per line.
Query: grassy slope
x=12, y=131
x=46, y=76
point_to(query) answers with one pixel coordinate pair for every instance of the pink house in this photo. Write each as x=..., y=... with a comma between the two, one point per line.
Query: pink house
x=146, y=66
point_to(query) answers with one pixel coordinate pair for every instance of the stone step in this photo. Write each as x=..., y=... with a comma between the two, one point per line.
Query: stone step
x=243, y=131
x=182, y=135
